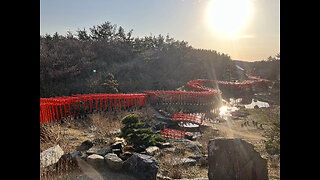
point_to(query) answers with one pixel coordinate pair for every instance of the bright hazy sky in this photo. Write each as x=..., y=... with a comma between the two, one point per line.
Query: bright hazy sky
x=244, y=29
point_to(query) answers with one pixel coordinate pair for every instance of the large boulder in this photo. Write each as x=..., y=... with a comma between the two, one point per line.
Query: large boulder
x=235, y=159
x=96, y=161
x=51, y=156
x=142, y=166
x=113, y=161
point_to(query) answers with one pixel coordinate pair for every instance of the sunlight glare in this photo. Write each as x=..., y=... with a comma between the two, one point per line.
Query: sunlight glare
x=223, y=110
x=228, y=16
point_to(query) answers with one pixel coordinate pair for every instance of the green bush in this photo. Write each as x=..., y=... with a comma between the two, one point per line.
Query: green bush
x=136, y=133
x=273, y=143
x=272, y=147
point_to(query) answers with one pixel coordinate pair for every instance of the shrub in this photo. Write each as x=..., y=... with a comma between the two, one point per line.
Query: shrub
x=136, y=133
x=273, y=143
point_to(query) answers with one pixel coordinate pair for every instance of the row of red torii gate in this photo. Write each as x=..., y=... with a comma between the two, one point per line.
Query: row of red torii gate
x=58, y=108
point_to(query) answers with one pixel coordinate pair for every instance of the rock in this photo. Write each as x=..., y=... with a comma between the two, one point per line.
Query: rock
x=183, y=161
x=152, y=150
x=98, y=150
x=93, y=150
x=142, y=166
x=197, y=157
x=126, y=155
x=193, y=146
x=235, y=159
x=85, y=146
x=193, y=136
x=96, y=161
x=51, y=156
x=128, y=148
x=140, y=149
x=161, y=177
x=117, y=139
x=117, y=145
x=91, y=136
x=171, y=150
x=113, y=161
x=189, y=135
x=164, y=145
x=75, y=155
x=117, y=151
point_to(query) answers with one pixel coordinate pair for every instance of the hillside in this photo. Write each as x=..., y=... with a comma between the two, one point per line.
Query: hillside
x=107, y=59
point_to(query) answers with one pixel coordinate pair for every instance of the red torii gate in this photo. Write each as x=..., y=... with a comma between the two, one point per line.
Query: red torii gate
x=54, y=109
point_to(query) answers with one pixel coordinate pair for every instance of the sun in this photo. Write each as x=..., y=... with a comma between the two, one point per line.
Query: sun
x=228, y=16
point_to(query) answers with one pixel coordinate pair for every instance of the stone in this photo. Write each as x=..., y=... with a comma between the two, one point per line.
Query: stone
x=142, y=166
x=152, y=150
x=161, y=177
x=75, y=155
x=113, y=161
x=197, y=157
x=85, y=146
x=117, y=145
x=126, y=155
x=117, y=151
x=170, y=150
x=51, y=156
x=193, y=146
x=183, y=161
x=98, y=150
x=165, y=145
x=128, y=148
x=93, y=150
x=96, y=161
x=235, y=159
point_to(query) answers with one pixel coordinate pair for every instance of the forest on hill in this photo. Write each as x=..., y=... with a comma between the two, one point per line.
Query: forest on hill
x=107, y=59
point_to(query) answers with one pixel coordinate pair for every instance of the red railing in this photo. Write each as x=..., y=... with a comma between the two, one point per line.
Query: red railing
x=172, y=133
x=192, y=118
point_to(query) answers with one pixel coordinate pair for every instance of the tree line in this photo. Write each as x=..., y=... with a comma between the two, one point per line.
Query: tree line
x=107, y=59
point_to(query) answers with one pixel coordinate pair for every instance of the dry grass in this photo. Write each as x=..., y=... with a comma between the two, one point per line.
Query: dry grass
x=105, y=124
x=206, y=136
x=168, y=159
x=51, y=135
x=70, y=133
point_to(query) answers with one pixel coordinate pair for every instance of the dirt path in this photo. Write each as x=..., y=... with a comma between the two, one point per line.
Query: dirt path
x=233, y=129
